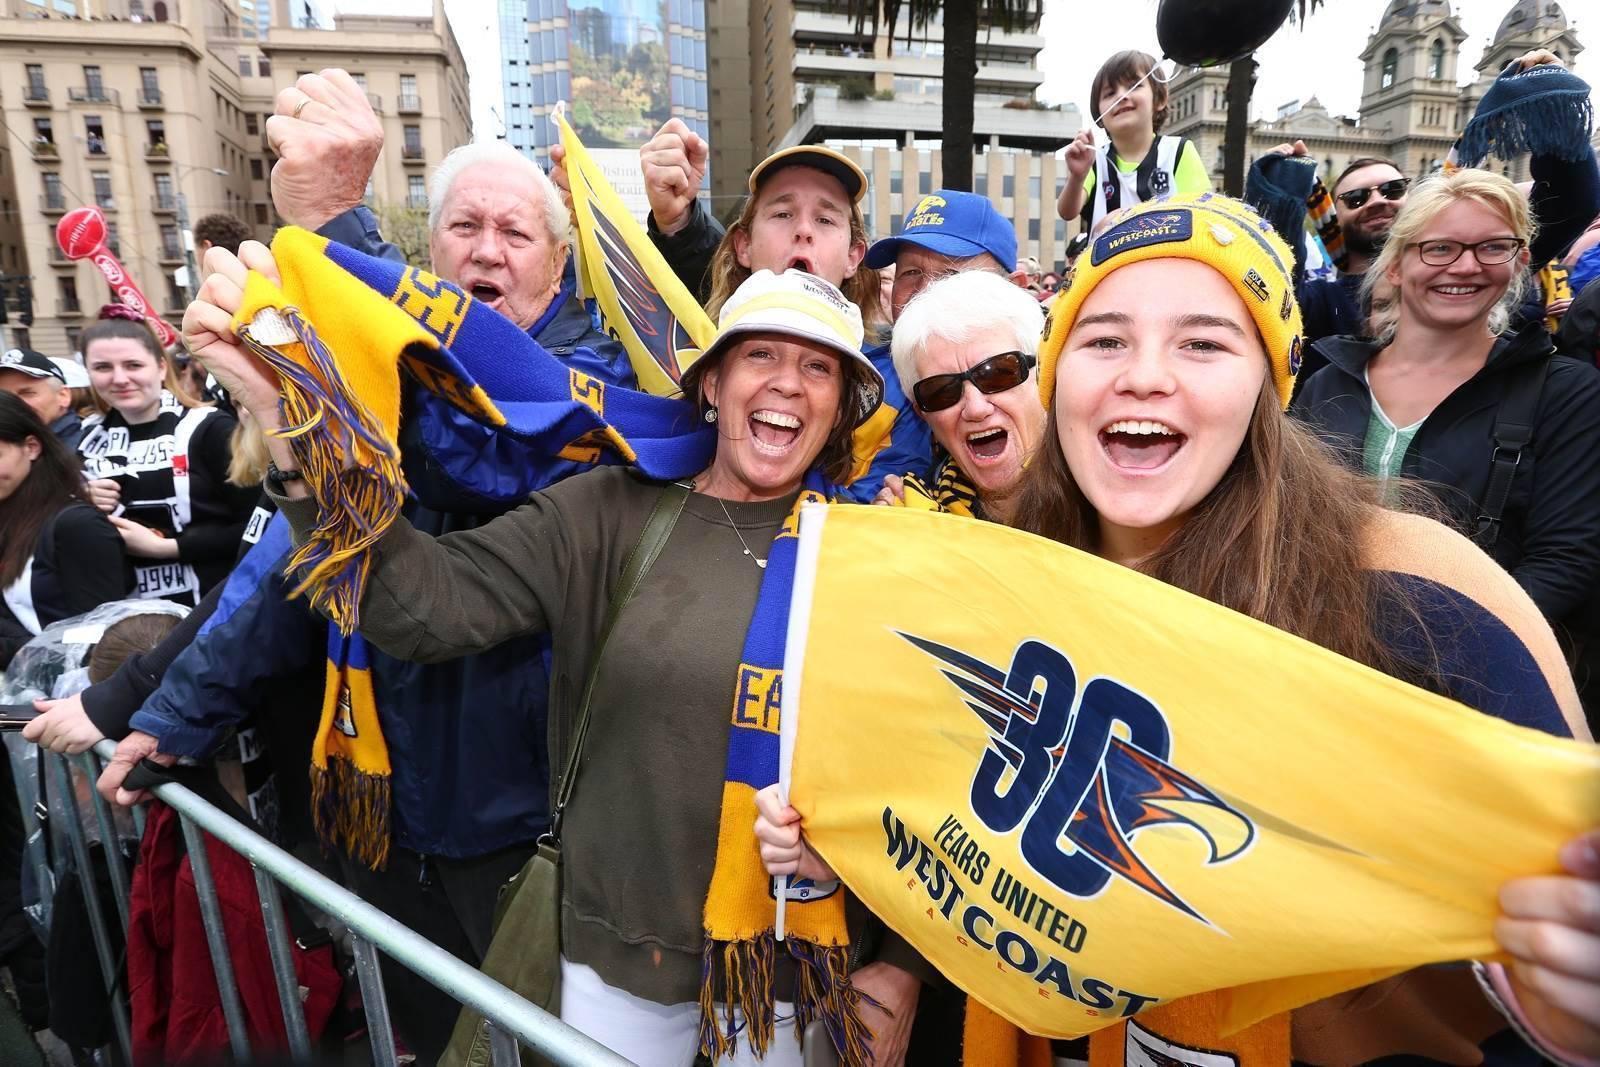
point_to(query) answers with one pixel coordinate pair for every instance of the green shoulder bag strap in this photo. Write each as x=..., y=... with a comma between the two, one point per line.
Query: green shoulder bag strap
x=656, y=531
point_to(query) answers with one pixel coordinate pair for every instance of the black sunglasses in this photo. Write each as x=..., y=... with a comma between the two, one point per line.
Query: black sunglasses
x=1393, y=189
x=993, y=375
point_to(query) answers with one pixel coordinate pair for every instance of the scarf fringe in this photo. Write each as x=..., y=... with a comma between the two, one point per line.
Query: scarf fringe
x=1556, y=125
x=823, y=991
x=356, y=505
x=351, y=809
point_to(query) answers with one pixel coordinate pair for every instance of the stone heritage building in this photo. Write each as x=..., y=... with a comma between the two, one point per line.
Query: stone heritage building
x=1412, y=103
x=155, y=110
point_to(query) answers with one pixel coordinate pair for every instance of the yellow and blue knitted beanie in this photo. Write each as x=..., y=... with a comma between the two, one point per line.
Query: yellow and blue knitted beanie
x=1224, y=234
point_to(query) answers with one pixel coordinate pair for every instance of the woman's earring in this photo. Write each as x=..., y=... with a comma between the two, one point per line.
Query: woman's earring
x=711, y=413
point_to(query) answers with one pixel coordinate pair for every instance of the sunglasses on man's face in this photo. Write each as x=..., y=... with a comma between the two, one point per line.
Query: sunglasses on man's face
x=1393, y=189
x=993, y=375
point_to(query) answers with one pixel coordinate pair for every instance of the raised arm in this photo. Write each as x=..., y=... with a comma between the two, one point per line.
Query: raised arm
x=425, y=599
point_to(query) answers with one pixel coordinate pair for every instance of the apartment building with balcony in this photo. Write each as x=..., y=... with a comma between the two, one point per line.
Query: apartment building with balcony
x=155, y=110
x=811, y=78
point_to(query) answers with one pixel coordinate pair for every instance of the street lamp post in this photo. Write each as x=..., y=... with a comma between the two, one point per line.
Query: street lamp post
x=185, y=235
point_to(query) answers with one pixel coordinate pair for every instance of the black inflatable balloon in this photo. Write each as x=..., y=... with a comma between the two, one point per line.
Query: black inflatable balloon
x=1206, y=33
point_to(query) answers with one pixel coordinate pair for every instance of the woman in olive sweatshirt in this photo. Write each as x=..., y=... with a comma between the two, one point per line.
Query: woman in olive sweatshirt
x=786, y=385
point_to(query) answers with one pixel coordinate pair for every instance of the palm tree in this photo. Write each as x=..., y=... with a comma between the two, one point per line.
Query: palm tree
x=962, y=21
x=1241, y=86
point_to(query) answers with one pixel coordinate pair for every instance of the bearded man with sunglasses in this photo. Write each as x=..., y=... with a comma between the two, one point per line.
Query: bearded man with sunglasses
x=1367, y=196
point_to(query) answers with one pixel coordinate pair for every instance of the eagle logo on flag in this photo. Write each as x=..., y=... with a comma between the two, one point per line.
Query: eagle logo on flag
x=1080, y=772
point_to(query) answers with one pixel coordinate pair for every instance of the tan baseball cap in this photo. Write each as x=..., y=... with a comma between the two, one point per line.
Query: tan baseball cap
x=819, y=157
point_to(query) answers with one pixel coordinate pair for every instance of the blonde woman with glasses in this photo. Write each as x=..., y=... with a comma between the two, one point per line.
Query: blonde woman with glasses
x=1501, y=429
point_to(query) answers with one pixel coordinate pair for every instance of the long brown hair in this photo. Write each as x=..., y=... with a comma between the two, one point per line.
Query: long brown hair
x=863, y=288
x=52, y=482
x=130, y=330
x=1280, y=539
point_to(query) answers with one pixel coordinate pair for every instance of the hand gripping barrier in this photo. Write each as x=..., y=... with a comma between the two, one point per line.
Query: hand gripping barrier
x=513, y=1021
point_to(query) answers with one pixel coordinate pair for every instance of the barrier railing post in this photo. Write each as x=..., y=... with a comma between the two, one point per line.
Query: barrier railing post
x=216, y=938
x=110, y=843
x=294, y=1016
x=61, y=782
x=33, y=835
x=514, y=1021
x=380, y=1031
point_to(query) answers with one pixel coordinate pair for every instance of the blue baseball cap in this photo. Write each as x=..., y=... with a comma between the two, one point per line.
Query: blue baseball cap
x=951, y=223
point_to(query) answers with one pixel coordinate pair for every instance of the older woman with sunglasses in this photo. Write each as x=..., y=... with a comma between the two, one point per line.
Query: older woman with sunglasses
x=964, y=350
x=1502, y=430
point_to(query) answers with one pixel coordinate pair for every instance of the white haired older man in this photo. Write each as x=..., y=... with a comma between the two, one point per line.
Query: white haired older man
x=467, y=738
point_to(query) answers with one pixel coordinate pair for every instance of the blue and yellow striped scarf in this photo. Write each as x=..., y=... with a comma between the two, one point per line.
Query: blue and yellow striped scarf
x=339, y=330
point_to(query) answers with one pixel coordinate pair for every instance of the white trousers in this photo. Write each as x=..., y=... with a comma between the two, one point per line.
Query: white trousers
x=657, y=1035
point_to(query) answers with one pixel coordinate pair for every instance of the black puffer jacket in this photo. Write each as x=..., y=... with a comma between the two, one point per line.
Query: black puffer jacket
x=1550, y=536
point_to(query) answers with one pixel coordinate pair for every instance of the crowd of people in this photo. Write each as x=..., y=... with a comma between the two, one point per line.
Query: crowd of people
x=1334, y=450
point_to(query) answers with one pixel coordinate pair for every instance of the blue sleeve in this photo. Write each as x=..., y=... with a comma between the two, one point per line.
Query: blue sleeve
x=255, y=635
x=1479, y=660
x=910, y=447
x=1565, y=199
x=358, y=229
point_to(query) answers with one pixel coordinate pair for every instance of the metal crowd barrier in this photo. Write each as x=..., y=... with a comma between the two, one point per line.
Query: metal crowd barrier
x=513, y=1021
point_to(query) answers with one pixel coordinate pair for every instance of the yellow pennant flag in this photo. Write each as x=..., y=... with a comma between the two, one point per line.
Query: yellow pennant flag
x=1081, y=793
x=642, y=303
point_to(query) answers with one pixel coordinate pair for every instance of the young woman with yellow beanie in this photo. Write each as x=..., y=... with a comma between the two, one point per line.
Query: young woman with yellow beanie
x=1165, y=374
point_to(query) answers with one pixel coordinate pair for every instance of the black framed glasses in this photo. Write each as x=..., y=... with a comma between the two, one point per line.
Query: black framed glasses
x=1393, y=189
x=993, y=375
x=1494, y=251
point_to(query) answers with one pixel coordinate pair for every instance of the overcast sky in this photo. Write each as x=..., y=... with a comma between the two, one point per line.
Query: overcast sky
x=1319, y=60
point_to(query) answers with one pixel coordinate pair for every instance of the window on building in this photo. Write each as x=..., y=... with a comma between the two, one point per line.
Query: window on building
x=1436, y=60
x=416, y=191
x=360, y=79
x=924, y=183
x=52, y=190
x=413, y=141
x=94, y=86
x=1391, y=68
x=1033, y=228
x=163, y=188
x=149, y=84
x=264, y=66
x=74, y=333
x=261, y=214
x=94, y=133
x=1035, y=185
x=36, y=86
x=1008, y=185
x=44, y=131
x=896, y=182
x=245, y=66
x=171, y=247
x=257, y=171
x=252, y=124
x=980, y=184
x=102, y=188
x=156, y=134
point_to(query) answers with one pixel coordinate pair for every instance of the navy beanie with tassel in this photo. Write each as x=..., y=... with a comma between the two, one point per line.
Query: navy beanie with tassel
x=1278, y=186
x=1544, y=110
